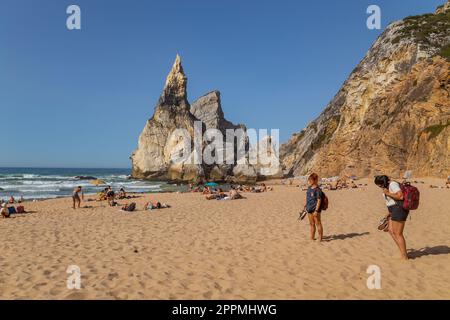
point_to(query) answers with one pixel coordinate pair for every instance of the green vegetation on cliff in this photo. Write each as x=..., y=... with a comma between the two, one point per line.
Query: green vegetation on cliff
x=428, y=29
x=436, y=130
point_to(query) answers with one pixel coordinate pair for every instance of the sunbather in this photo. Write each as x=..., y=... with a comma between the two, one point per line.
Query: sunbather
x=234, y=195
x=207, y=190
x=155, y=205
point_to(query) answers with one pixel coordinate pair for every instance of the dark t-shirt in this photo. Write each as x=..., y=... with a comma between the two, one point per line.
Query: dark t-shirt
x=312, y=197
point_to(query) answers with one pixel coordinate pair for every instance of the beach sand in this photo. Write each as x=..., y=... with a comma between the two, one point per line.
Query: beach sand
x=246, y=249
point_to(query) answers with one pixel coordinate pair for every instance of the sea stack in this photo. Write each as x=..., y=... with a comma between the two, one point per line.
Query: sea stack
x=153, y=159
x=160, y=142
x=393, y=112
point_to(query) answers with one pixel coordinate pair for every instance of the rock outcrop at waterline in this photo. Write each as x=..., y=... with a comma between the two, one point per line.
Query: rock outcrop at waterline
x=159, y=143
x=393, y=112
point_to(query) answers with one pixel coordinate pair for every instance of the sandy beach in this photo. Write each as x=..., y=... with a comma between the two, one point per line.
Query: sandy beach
x=253, y=248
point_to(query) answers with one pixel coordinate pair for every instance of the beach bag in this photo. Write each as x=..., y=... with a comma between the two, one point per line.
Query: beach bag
x=411, y=196
x=20, y=209
x=324, y=202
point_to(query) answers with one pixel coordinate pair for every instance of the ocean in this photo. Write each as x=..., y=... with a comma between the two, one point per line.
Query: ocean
x=47, y=183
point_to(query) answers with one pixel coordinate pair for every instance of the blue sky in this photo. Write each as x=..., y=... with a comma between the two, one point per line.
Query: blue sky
x=81, y=98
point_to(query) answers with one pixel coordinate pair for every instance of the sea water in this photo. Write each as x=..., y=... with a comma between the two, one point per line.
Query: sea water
x=47, y=183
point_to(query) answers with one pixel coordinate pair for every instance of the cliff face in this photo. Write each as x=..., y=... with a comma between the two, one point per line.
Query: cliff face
x=393, y=112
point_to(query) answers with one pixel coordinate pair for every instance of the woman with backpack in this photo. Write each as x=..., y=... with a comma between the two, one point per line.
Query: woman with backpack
x=314, y=196
x=393, y=195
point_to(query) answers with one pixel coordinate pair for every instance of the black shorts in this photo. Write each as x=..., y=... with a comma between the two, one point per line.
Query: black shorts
x=398, y=213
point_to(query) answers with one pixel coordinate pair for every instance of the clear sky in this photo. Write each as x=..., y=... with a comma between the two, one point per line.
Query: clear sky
x=81, y=98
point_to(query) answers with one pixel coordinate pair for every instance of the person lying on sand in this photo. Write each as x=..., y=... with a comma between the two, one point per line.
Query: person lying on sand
x=215, y=196
x=234, y=195
x=397, y=216
x=207, y=190
x=76, y=197
x=129, y=207
x=313, y=206
x=155, y=205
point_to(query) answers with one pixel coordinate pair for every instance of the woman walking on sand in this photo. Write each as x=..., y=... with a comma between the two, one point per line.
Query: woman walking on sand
x=397, y=216
x=314, y=196
x=76, y=197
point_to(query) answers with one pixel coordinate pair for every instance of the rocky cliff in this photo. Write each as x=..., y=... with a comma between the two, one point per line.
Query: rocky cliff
x=393, y=112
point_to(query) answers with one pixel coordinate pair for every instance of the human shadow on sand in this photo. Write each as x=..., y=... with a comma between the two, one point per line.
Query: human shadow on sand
x=429, y=251
x=344, y=236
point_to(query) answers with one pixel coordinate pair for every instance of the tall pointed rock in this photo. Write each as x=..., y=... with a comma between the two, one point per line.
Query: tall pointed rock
x=160, y=146
x=175, y=90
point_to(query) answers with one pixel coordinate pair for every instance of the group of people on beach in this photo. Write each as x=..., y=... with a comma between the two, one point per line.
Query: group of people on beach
x=8, y=208
x=316, y=203
x=110, y=196
x=234, y=193
x=392, y=194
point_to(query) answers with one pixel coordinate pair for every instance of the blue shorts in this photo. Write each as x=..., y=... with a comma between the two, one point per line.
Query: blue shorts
x=398, y=213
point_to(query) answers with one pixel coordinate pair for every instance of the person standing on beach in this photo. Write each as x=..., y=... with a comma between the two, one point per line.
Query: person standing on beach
x=313, y=206
x=76, y=197
x=397, y=216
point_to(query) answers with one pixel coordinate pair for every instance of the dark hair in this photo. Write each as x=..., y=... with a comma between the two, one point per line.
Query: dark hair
x=313, y=177
x=382, y=181
x=79, y=187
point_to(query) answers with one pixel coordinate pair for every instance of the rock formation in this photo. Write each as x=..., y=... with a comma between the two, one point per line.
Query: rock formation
x=164, y=153
x=208, y=109
x=393, y=112
x=153, y=159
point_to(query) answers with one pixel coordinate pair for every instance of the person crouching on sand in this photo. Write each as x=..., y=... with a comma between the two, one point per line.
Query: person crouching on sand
x=5, y=211
x=313, y=206
x=397, y=216
x=76, y=197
